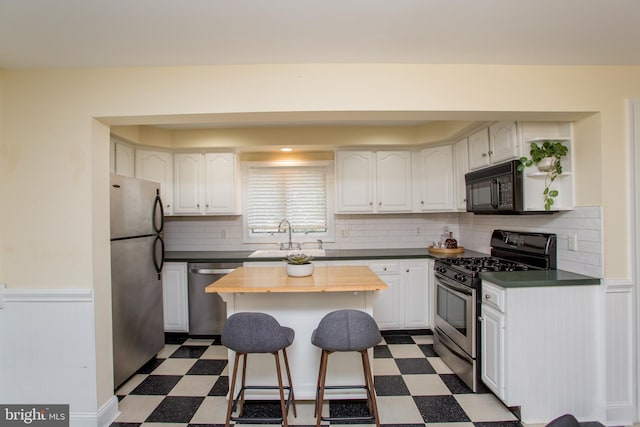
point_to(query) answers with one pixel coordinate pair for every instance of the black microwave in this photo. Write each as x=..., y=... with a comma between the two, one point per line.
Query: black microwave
x=497, y=189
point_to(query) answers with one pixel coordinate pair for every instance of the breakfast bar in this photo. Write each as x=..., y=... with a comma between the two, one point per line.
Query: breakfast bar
x=300, y=303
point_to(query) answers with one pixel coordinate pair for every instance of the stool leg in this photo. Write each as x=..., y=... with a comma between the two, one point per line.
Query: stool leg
x=370, y=386
x=323, y=376
x=315, y=412
x=293, y=396
x=232, y=389
x=244, y=374
x=282, y=401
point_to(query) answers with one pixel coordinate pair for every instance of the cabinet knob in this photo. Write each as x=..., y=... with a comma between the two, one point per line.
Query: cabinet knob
x=207, y=206
x=379, y=203
x=407, y=270
x=197, y=205
x=384, y=268
x=484, y=155
x=490, y=153
x=422, y=202
x=487, y=296
x=370, y=203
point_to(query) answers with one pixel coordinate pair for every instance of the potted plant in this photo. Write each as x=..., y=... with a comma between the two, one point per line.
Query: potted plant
x=547, y=157
x=299, y=265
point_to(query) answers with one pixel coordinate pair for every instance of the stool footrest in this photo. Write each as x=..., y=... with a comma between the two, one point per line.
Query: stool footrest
x=259, y=420
x=368, y=418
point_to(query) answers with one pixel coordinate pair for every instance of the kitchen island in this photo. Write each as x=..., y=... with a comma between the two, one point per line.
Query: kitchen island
x=300, y=303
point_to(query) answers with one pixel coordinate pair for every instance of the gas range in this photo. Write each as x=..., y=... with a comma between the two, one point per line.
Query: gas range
x=457, y=295
x=466, y=269
x=510, y=251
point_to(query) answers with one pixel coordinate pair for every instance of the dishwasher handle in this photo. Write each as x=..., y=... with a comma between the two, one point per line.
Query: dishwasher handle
x=212, y=271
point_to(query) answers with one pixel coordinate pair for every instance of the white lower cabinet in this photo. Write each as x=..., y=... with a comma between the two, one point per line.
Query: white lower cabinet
x=539, y=349
x=175, y=297
x=492, y=350
x=387, y=308
x=405, y=304
x=416, y=283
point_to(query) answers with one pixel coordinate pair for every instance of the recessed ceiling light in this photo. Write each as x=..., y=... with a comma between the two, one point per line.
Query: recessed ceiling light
x=286, y=149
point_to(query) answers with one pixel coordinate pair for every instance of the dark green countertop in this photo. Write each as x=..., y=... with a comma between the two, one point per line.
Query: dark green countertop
x=538, y=278
x=331, y=255
x=512, y=279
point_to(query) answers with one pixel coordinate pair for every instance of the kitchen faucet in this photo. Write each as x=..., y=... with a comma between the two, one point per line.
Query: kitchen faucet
x=286, y=221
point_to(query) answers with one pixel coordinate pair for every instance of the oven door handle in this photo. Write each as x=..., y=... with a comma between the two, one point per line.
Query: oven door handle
x=452, y=346
x=453, y=286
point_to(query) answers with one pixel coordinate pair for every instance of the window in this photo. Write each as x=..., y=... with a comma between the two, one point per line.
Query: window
x=299, y=193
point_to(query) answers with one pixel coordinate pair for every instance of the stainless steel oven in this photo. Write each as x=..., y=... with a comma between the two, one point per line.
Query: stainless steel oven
x=456, y=328
x=456, y=313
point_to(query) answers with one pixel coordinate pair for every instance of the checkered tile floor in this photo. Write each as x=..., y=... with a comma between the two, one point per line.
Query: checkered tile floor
x=187, y=382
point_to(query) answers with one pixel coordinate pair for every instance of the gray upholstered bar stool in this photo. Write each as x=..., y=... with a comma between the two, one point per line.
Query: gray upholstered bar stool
x=346, y=330
x=247, y=333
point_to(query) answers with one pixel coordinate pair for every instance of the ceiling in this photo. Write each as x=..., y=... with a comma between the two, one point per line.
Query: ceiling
x=123, y=33
x=126, y=33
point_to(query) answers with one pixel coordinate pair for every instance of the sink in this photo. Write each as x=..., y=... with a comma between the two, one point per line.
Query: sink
x=280, y=253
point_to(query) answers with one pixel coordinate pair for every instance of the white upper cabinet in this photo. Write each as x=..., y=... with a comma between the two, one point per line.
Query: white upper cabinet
x=188, y=186
x=503, y=142
x=157, y=166
x=221, y=189
x=369, y=182
x=479, y=149
x=495, y=144
x=205, y=184
x=393, y=181
x=122, y=158
x=460, y=168
x=355, y=181
x=434, y=179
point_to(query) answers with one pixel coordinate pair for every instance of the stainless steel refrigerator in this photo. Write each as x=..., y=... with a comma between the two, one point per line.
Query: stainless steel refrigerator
x=137, y=256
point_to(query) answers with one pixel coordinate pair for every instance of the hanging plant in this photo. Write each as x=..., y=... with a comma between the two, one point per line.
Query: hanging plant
x=547, y=157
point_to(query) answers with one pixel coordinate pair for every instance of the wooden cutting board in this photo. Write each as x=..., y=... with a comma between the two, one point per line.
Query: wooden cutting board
x=457, y=250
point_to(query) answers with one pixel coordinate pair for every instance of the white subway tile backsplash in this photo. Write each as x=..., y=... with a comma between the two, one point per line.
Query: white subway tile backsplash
x=414, y=231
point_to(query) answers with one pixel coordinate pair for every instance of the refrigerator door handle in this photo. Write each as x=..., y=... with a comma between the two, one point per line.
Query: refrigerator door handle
x=158, y=205
x=158, y=263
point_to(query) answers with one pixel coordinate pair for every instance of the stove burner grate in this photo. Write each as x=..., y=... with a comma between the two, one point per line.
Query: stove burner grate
x=485, y=264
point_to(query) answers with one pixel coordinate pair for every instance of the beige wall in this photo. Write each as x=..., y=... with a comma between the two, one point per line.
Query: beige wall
x=53, y=169
x=45, y=151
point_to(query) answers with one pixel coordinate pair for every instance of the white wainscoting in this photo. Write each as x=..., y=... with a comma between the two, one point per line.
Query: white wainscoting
x=619, y=345
x=47, y=337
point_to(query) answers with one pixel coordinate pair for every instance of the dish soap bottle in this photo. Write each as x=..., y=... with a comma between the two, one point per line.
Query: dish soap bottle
x=450, y=243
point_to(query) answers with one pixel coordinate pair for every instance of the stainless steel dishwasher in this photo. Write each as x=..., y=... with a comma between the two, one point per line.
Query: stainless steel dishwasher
x=207, y=312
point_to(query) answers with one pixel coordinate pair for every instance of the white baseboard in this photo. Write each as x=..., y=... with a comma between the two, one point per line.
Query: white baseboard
x=108, y=413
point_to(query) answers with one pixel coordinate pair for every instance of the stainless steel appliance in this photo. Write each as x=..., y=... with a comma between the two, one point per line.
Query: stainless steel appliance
x=137, y=256
x=207, y=312
x=457, y=286
x=497, y=189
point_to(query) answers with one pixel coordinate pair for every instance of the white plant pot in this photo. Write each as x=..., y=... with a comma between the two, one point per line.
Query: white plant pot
x=546, y=164
x=300, y=270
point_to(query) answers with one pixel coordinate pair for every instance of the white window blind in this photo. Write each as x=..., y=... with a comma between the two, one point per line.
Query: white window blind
x=297, y=193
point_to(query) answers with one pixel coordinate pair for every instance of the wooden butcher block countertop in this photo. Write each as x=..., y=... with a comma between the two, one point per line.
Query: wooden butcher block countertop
x=275, y=279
